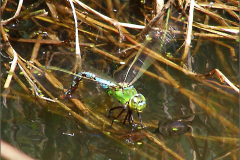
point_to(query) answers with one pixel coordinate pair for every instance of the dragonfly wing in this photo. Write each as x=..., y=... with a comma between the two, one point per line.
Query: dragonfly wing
x=139, y=71
x=87, y=75
x=141, y=60
x=159, y=46
x=98, y=72
x=158, y=42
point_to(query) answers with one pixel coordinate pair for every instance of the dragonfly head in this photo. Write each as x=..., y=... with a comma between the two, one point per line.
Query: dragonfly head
x=137, y=102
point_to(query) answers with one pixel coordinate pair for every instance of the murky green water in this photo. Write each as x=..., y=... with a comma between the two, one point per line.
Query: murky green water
x=44, y=130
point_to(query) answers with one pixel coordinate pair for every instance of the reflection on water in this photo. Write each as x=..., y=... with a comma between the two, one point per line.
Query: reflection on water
x=45, y=130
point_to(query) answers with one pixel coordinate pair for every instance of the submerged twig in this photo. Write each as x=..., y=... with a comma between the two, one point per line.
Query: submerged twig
x=4, y=22
x=15, y=58
x=158, y=142
x=189, y=30
x=191, y=96
x=36, y=49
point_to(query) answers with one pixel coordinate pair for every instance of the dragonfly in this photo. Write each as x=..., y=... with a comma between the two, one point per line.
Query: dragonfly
x=123, y=91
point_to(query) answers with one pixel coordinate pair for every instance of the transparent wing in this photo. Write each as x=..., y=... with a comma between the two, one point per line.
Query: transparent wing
x=89, y=76
x=156, y=41
x=141, y=61
x=137, y=59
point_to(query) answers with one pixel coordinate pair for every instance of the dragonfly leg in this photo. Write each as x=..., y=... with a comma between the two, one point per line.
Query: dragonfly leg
x=139, y=116
x=118, y=114
x=126, y=117
x=130, y=118
x=110, y=111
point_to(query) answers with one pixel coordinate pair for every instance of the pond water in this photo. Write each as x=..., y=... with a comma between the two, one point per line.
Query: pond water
x=199, y=119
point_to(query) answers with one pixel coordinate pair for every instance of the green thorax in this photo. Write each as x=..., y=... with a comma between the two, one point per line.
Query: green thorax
x=122, y=93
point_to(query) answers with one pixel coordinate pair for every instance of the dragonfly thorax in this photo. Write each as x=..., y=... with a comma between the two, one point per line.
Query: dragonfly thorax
x=124, y=85
x=137, y=102
x=128, y=95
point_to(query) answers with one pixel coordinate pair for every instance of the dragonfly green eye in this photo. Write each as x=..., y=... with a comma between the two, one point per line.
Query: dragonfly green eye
x=137, y=102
